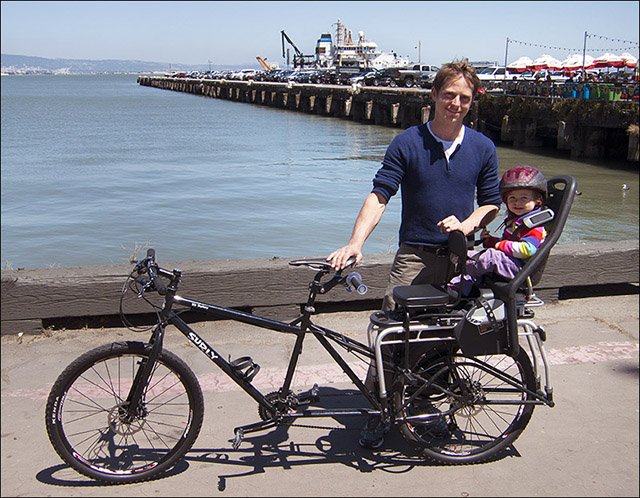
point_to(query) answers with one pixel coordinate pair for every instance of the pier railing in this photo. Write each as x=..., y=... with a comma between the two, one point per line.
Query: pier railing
x=34, y=298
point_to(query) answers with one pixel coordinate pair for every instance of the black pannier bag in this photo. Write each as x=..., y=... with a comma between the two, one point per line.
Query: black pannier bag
x=483, y=330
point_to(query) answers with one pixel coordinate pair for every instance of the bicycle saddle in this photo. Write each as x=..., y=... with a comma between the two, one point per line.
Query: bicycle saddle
x=313, y=263
x=317, y=263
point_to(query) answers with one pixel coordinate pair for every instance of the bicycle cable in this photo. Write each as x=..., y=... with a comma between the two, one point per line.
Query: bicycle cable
x=134, y=285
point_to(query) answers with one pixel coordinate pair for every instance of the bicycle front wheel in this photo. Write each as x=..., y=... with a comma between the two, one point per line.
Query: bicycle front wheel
x=472, y=410
x=86, y=416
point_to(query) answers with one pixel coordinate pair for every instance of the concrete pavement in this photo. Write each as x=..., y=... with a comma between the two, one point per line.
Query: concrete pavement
x=587, y=445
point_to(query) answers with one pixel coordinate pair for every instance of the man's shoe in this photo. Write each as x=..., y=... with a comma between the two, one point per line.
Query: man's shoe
x=372, y=435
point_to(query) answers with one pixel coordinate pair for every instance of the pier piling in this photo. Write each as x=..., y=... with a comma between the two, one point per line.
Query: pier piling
x=585, y=128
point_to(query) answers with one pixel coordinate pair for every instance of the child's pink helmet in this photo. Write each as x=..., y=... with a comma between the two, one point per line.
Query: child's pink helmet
x=523, y=177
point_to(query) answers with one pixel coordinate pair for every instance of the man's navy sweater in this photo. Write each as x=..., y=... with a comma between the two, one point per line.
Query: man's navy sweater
x=433, y=188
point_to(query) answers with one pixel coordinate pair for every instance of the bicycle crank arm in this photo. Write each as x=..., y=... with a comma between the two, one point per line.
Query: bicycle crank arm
x=258, y=426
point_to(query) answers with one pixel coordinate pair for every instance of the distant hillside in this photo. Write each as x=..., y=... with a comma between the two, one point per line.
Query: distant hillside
x=23, y=64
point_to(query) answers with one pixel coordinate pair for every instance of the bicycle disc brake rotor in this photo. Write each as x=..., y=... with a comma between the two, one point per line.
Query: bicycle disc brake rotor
x=117, y=422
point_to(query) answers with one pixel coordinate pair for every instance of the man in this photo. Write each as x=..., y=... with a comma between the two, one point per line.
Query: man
x=440, y=167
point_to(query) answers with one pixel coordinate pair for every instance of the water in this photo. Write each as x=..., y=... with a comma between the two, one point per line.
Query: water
x=96, y=167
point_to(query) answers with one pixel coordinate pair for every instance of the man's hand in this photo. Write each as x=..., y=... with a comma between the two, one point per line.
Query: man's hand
x=451, y=224
x=339, y=257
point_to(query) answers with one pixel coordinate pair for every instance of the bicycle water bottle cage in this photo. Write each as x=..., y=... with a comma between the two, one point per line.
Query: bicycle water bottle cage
x=245, y=363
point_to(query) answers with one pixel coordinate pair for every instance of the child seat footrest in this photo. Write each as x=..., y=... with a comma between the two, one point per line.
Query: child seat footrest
x=420, y=296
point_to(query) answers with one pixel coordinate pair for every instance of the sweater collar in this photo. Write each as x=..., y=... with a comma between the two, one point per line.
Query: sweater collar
x=449, y=147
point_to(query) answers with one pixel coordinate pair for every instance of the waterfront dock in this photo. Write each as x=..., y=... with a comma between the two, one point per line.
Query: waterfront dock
x=586, y=128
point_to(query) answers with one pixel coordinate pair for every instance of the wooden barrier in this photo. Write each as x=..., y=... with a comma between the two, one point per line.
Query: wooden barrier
x=265, y=286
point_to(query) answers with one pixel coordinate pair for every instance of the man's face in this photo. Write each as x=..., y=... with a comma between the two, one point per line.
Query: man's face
x=454, y=100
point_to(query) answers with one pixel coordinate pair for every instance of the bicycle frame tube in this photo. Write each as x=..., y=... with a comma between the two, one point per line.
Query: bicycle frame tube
x=224, y=365
x=321, y=334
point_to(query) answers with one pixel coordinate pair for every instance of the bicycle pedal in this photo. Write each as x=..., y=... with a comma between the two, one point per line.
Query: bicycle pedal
x=237, y=440
x=311, y=396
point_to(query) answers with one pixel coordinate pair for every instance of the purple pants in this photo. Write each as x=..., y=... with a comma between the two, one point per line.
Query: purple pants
x=489, y=261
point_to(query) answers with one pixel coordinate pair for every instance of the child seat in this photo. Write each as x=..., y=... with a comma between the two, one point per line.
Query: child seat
x=561, y=191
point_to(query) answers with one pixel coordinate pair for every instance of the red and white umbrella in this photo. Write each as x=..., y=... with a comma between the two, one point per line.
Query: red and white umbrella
x=575, y=61
x=521, y=65
x=545, y=61
x=609, y=60
x=629, y=60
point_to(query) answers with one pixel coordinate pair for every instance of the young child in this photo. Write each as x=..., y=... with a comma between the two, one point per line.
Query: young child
x=524, y=190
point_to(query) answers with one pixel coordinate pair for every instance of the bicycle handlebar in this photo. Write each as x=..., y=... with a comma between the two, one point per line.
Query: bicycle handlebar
x=353, y=281
x=149, y=264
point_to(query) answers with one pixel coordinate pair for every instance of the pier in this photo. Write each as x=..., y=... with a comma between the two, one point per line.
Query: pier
x=588, y=129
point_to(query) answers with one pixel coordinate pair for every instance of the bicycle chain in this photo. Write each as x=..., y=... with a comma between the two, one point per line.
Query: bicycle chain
x=292, y=402
x=323, y=427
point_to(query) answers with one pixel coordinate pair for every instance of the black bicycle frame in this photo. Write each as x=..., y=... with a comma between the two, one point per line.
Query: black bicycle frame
x=301, y=327
x=306, y=327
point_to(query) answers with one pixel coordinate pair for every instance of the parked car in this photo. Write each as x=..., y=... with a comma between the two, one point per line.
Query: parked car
x=421, y=74
x=369, y=78
x=244, y=74
x=266, y=75
x=544, y=74
x=497, y=73
x=344, y=73
x=388, y=77
x=303, y=76
x=326, y=77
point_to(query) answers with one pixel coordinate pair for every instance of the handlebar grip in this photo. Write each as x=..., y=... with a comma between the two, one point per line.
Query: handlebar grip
x=157, y=282
x=354, y=282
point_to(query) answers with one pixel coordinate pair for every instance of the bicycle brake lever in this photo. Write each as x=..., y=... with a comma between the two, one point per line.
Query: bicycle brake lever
x=146, y=283
x=140, y=264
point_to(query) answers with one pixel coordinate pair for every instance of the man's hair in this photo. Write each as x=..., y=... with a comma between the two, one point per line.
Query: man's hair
x=453, y=70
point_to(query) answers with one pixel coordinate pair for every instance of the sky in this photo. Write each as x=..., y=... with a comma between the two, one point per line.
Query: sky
x=234, y=33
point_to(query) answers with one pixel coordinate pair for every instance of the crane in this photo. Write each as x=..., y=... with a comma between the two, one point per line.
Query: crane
x=265, y=65
x=299, y=59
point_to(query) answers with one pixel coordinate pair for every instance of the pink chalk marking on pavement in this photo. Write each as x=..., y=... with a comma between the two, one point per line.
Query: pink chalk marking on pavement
x=306, y=376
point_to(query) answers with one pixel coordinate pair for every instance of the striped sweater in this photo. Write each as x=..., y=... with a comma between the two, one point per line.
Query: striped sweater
x=524, y=244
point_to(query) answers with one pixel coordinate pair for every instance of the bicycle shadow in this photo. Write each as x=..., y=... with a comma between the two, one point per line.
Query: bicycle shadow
x=275, y=449
x=64, y=476
x=338, y=445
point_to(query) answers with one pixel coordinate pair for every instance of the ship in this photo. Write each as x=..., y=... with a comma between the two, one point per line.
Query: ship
x=345, y=53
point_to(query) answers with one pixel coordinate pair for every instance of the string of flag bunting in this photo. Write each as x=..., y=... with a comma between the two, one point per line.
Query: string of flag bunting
x=628, y=45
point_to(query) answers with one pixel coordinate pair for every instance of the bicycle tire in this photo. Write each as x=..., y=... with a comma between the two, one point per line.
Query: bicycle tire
x=474, y=430
x=83, y=408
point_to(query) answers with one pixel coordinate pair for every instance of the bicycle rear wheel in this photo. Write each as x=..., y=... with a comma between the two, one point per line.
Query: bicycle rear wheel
x=481, y=400
x=85, y=416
